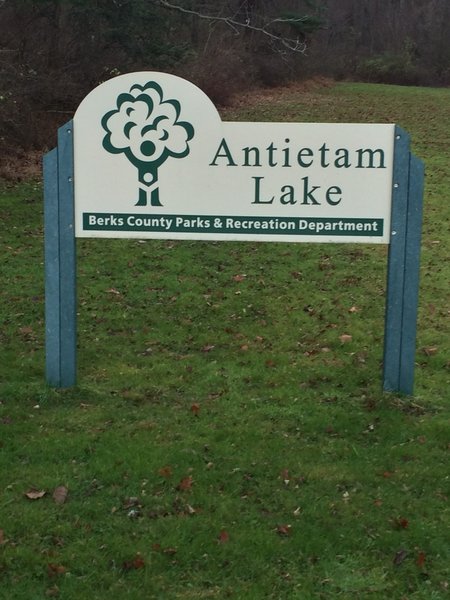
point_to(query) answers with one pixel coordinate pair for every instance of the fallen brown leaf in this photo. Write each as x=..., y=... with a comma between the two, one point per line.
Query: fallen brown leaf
x=224, y=537
x=53, y=570
x=400, y=557
x=190, y=509
x=52, y=592
x=208, y=348
x=136, y=563
x=284, y=529
x=420, y=562
x=285, y=475
x=400, y=523
x=26, y=330
x=185, y=484
x=2, y=537
x=131, y=502
x=345, y=338
x=430, y=351
x=165, y=471
x=195, y=409
x=169, y=551
x=60, y=494
x=35, y=494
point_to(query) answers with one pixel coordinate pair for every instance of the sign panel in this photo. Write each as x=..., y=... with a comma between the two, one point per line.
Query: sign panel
x=153, y=159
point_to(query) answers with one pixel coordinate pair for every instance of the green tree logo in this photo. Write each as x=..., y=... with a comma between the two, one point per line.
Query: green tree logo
x=147, y=130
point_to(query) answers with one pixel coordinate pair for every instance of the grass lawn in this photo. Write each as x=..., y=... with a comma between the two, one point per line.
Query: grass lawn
x=224, y=439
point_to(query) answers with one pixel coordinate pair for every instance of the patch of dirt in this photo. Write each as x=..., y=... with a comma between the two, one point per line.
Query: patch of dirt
x=25, y=166
x=279, y=93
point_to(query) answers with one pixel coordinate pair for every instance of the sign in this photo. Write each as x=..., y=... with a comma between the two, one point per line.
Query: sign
x=153, y=159
x=147, y=155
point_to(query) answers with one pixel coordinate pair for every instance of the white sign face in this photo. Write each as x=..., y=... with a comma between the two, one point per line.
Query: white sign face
x=154, y=160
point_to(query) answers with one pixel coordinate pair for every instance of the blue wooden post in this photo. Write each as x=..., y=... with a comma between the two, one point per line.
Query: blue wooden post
x=60, y=262
x=52, y=278
x=412, y=267
x=403, y=268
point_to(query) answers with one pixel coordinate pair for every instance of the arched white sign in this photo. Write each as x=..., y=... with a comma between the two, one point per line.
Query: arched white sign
x=153, y=159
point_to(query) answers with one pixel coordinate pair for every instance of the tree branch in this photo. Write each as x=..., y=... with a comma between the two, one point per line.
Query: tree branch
x=295, y=45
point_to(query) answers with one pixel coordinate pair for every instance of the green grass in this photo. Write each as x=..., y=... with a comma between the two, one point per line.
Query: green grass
x=241, y=383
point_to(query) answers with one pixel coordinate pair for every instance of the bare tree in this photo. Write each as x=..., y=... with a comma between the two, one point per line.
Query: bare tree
x=244, y=19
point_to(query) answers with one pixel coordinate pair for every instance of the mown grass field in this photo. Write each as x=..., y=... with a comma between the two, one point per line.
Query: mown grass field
x=224, y=439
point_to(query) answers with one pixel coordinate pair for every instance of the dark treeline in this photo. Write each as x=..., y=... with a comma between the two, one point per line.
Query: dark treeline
x=387, y=41
x=53, y=52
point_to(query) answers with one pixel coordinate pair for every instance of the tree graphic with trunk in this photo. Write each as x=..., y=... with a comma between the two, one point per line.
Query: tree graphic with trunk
x=146, y=129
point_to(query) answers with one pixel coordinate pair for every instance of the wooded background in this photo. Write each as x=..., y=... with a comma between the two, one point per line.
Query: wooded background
x=53, y=52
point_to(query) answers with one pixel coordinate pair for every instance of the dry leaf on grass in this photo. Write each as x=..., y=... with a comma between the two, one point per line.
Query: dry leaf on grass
x=52, y=592
x=208, y=348
x=165, y=471
x=60, y=494
x=399, y=557
x=420, y=562
x=285, y=476
x=284, y=529
x=53, y=570
x=224, y=537
x=136, y=563
x=400, y=523
x=430, y=350
x=185, y=484
x=345, y=338
x=195, y=409
x=35, y=494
